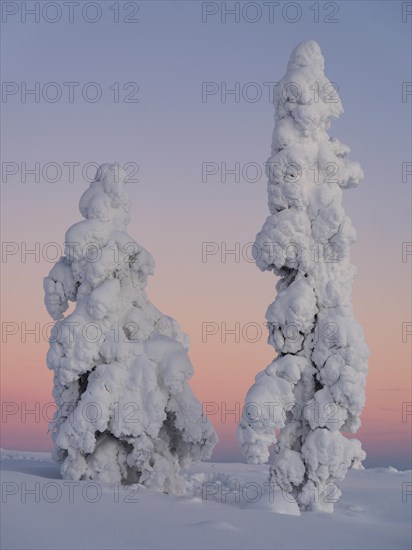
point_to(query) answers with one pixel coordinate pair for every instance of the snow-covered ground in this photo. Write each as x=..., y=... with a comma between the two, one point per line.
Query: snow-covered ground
x=40, y=510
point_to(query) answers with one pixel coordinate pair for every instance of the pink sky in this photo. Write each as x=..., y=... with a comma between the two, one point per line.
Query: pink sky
x=223, y=371
x=169, y=133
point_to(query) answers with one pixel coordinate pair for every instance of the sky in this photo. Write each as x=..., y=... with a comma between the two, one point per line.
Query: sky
x=147, y=85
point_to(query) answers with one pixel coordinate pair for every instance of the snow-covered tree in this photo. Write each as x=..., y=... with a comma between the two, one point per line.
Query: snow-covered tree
x=314, y=388
x=125, y=411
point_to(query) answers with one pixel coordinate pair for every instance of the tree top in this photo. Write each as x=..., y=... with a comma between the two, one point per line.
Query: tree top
x=307, y=54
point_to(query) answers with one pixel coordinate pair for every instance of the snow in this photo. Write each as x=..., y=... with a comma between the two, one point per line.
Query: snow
x=306, y=242
x=125, y=411
x=374, y=511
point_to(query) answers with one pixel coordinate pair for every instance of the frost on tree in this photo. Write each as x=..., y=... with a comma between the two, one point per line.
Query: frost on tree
x=125, y=410
x=314, y=388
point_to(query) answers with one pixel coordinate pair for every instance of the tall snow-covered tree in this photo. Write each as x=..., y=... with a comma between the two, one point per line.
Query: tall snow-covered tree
x=125, y=411
x=314, y=389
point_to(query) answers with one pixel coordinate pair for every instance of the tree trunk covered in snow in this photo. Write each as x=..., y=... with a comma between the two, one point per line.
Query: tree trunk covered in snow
x=314, y=389
x=125, y=410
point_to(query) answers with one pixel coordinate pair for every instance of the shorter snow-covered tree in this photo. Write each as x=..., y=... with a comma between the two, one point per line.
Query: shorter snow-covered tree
x=314, y=389
x=125, y=411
